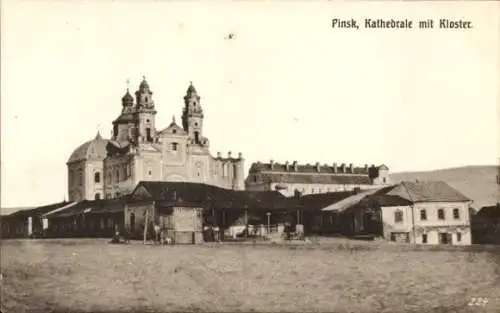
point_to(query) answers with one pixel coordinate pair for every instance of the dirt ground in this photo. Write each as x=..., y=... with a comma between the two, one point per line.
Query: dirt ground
x=92, y=276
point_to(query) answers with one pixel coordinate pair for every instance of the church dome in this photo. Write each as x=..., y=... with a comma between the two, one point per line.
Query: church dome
x=127, y=98
x=92, y=149
x=144, y=84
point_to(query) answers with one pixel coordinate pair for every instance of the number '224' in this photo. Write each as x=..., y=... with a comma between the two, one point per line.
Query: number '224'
x=478, y=302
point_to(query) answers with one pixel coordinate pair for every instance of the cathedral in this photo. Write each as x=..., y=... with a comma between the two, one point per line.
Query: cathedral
x=138, y=151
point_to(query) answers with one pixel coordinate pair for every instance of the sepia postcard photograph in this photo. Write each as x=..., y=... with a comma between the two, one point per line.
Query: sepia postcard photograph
x=250, y=156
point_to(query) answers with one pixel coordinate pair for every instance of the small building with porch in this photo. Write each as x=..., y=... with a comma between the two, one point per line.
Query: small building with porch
x=183, y=211
x=30, y=222
x=87, y=218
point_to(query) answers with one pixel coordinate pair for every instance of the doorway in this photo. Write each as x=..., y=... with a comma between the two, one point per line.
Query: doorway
x=445, y=238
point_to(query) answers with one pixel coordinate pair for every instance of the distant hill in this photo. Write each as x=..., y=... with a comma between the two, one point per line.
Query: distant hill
x=478, y=183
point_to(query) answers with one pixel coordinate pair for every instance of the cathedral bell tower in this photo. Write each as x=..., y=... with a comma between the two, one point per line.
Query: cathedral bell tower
x=122, y=124
x=192, y=117
x=144, y=114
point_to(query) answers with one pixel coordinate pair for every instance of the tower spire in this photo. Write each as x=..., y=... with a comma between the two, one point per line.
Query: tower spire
x=98, y=135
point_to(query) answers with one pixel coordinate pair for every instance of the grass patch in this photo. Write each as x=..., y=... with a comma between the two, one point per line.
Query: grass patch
x=92, y=276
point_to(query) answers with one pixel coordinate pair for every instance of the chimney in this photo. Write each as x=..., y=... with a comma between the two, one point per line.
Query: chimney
x=287, y=165
x=351, y=168
x=229, y=155
x=342, y=168
x=335, y=167
x=219, y=155
x=295, y=166
x=366, y=168
x=272, y=164
x=318, y=168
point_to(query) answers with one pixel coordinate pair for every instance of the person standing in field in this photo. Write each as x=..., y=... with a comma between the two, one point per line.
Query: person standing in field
x=157, y=233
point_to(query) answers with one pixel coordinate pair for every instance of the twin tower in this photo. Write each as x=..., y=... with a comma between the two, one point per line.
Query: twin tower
x=139, y=151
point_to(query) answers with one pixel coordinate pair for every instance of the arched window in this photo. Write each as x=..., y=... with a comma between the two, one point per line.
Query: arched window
x=80, y=177
x=97, y=177
x=97, y=196
x=398, y=216
x=117, y=176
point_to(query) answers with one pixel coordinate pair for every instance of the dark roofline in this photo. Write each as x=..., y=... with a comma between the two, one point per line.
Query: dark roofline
x=41, y=210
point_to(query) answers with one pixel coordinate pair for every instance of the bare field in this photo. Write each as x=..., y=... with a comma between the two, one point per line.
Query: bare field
x=93, y=276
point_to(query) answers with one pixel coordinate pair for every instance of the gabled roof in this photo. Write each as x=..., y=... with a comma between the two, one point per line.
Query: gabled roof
x=169, y=193
x=173, y=128
x=402, y=194
x=427, y=191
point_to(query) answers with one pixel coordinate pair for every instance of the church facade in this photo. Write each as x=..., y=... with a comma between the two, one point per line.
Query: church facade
x=138, y=151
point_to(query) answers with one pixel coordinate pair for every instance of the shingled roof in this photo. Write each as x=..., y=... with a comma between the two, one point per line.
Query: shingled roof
x=332, y=179
x=427, y=191
x=320, y=201
x=170, y=193
x=102, y=206
x=38, y=211
x=402, y=194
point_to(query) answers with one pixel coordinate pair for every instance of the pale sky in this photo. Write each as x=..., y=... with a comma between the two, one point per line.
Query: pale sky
x=286, y=87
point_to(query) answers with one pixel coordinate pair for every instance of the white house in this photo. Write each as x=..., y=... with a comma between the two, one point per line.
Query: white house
x=427, y=212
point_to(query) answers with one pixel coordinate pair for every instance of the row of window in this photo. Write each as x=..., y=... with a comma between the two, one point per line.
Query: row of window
x=459, y=238
x=97, y=196
x=398, y=215
x=441, y=214
x=125, y=173
x=327, y=189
